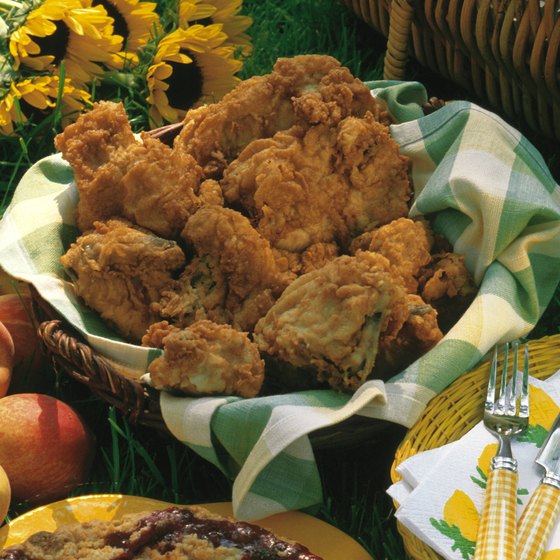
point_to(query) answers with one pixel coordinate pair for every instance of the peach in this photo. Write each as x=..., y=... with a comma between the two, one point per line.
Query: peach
x=6, y=359
x=45, y=447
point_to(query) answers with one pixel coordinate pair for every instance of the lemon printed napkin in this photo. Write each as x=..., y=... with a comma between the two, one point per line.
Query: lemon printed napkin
x=442, y=490
x=479, y=181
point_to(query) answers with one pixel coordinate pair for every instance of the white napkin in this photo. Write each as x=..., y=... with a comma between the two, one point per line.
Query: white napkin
x=441, y=492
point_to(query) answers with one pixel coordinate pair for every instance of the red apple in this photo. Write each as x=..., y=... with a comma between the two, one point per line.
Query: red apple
x=45, y=447
x=15, y=313
x=11, y=285
x=6, y=359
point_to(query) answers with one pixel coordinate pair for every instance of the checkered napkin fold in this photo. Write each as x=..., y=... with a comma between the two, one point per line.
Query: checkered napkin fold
x=485, y=188
x=441, y=491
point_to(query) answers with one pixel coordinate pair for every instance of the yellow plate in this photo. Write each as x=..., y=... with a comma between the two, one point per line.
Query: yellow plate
x=321, y=538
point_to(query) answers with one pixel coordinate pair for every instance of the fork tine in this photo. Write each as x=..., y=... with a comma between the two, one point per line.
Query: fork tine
x=501, y=403
x=524, y=402
x=491, y=391
x=514, y=389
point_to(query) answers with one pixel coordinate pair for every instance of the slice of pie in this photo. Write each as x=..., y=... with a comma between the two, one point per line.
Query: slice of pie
x=186, y=533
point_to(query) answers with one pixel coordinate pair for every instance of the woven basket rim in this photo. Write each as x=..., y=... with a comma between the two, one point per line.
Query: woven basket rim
x=455, y=411
x=139, y=402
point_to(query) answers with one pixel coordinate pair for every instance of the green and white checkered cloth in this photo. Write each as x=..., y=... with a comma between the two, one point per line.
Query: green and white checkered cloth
x=484, y=186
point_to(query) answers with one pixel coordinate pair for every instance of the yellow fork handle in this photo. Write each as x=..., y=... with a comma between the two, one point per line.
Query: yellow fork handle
x=496, y=538
x=537, y=521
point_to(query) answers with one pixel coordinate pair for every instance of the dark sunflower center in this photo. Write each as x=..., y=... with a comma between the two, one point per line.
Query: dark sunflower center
x=120, y=26
x=204, y=21
x=55, y=44
x=185, y=83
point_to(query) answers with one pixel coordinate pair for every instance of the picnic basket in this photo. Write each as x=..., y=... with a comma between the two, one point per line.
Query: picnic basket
x=455, y=411
x=139, y=402
x=506, y=53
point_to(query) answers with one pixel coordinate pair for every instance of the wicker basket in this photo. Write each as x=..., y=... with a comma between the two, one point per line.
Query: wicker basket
x=139, y=402
x=454, y=412
x=505, y=52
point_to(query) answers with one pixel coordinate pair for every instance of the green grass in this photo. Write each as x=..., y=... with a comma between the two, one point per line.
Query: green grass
x=133, y=460
x=309, y=27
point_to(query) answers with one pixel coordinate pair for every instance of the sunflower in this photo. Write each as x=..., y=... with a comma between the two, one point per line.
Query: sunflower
x=36, y=95
x=134, y=23
x=224, y=12
x=69, y=31
x=191, y=66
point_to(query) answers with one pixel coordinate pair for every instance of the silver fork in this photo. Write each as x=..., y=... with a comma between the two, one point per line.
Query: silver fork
x=505, y=417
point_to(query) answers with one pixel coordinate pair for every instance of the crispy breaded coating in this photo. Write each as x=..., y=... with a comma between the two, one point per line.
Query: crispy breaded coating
x=332, y=319
x=305, y=89
x=447, y=277
x=318, y=255
x=406, y=243
x=320, y=185
x=119, y=269
x=159, y=188
x=97, y=148
x=144, y=180
x=205, y=358
x=234, y=276
x=448, y=286
x=408, y=336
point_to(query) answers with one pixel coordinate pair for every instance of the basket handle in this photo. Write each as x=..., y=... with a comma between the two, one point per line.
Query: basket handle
x=82, y=363
x=400, y=25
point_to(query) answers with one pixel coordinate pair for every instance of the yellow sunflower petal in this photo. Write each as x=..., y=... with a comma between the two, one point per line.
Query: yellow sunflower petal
x=191, y=11
x=38, y=100
x=87, y=30
x=225, y=13
x=142, y=22
x=197, y=59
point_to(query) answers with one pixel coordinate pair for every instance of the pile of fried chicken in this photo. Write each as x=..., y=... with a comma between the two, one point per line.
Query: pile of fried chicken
x=272, y=234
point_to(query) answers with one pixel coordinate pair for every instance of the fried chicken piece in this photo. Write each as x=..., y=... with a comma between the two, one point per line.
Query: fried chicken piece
x=159, y=189
x=119, y=269
x=205, y=358
x=96, y=147
x=320, y=185
x=405, y=242
x=448, y=286
x=408, y=337
x=234, y=277
x=304, y=89
x=332, y=318
x=447, y=277
x=315, y=256
x=210, y=193
x=143, y=181
x=200, y=293
x=318, y=255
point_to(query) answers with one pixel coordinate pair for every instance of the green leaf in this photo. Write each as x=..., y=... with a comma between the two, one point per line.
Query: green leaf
x=460, y=543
